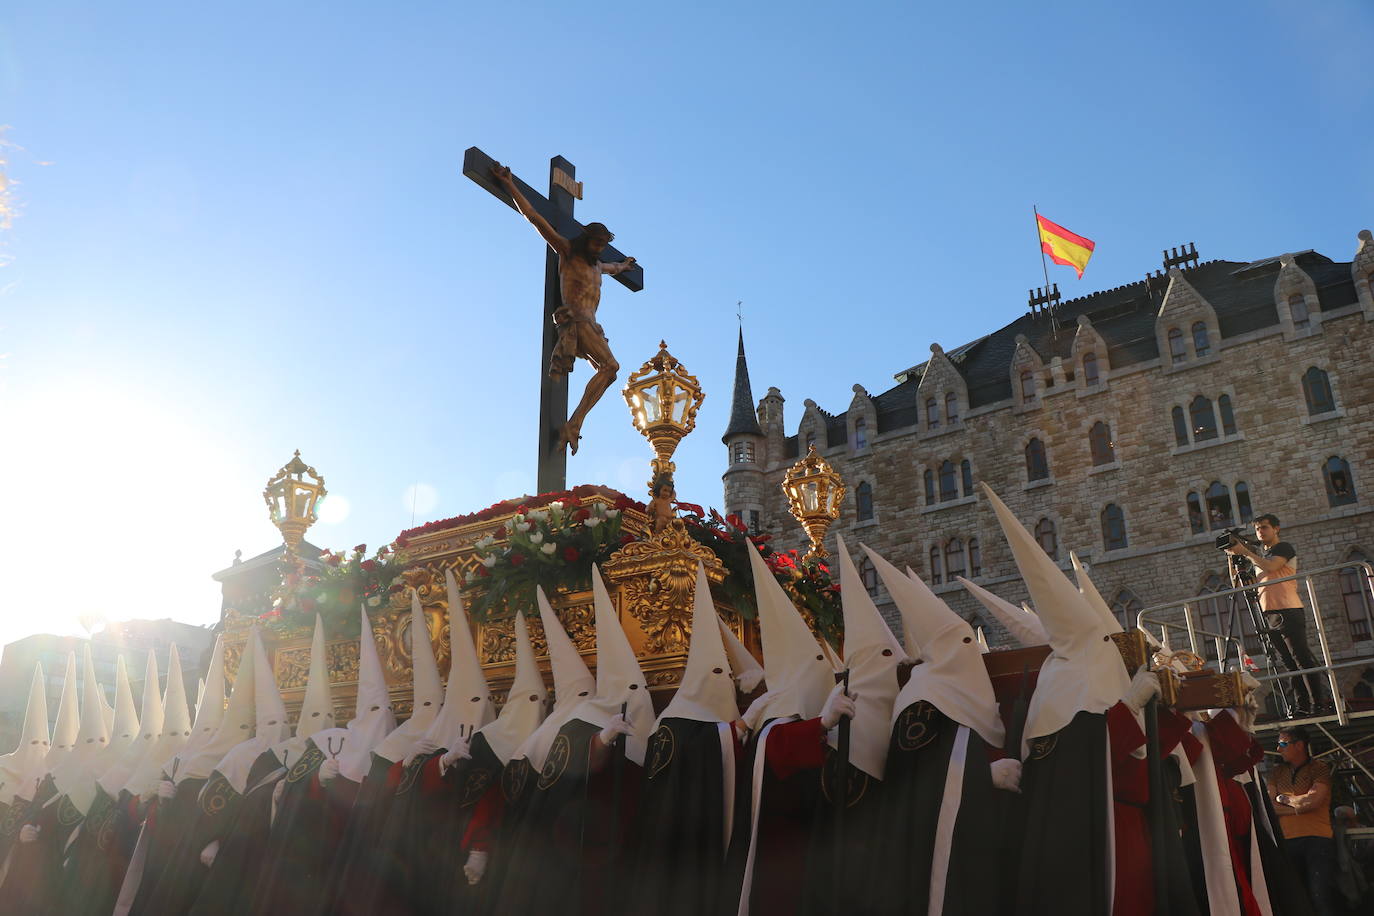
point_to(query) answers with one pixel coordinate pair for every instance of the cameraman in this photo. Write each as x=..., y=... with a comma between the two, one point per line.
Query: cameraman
x=1284, y=616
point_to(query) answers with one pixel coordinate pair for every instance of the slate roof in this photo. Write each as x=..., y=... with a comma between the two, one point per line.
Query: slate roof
x=743, y=419
x=1242, y=294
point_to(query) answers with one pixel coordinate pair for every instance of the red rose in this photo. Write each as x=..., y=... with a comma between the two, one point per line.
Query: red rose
x=735, y=522
x=361, y=548
x=402, y=542
x=572, y=503
x=571, y=554
x=581, y=515
x=367, y=565
x=482, y=571
x=517, y=559
x=623, y=503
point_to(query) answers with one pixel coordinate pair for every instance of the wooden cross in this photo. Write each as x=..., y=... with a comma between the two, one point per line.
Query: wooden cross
x=557, y=208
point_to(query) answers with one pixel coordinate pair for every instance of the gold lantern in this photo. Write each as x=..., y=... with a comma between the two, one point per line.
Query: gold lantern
x=292, y=500
x=814, y=490
x=664, y=399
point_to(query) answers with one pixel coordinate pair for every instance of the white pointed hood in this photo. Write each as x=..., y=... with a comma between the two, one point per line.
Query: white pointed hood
x=799, y=677
x=950, y=674
x=269, y=713
x=209, y=711
x=747, y=671
x=235, y=727
x=68, y=723
x=106, y=712
x=171, y=737
x=373, y=718
x=317, y=708
x=147, y=726
x=872, y=654
x=524, y=708
x=427, y=690
x=21, y=769
x=982, y=641
x=1083, y=671
x=75, y=775
x=573, y=684
x=124, y=728
x=1022, y=624
x=619, y=679
x=467, y=699
x=1093, y=596
x=707, y=691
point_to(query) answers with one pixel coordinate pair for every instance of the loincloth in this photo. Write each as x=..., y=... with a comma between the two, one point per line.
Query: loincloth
x=569, y=348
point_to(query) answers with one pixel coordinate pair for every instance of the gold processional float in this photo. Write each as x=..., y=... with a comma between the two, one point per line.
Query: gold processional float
x=650, y=575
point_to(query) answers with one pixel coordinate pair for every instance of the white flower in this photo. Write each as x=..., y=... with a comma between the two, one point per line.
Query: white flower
x=489, y=561
x=556, y=505
x=549, y=548
x=374, y=601
x=523, y=526
x=536, y=538
x=539, y=515
x=612, y=513
x=470, y=576
x=592, y=522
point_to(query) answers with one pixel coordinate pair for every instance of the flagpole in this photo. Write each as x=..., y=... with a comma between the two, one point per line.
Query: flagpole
x=1039, y=243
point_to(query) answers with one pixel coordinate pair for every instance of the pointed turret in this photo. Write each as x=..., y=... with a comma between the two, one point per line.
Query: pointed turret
x=744, y=443
x=742, y=416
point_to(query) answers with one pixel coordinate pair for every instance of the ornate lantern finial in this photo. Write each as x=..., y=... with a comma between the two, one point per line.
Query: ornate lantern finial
x=664, y=399
x=292, y=500
x=814, y=490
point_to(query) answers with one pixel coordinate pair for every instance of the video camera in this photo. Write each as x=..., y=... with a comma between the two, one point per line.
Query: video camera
x=1232, y=536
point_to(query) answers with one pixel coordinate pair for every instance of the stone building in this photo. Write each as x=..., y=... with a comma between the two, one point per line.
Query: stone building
x=1131, y=425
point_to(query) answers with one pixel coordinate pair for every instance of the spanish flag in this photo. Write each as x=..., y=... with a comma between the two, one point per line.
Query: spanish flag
x=1063, y=246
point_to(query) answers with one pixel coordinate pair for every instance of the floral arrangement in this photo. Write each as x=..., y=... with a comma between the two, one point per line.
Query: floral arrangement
x=550, y=543
x=807, y=582
x=522, y=505
x=343, y=581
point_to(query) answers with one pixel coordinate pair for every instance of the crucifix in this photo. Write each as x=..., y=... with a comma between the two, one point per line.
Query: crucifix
x=569, y=329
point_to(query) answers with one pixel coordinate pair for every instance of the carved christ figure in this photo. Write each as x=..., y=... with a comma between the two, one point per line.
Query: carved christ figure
x=579, y=335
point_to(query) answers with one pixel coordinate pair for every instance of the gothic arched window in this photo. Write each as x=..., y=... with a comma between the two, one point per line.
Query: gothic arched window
x=1090, y=377
x=1243, y=511
x=1180, y=426
x=863, y=498
x=1355, y=596
x=1126, y=606
x=1100, y=443
x=1201, y=345
x=1297, y=307
x=930, y=487
x=975, y=558
x=1228, y=416
x=860, y=434
x=1037, y=466
x=947, y=482
x=1197, y=522
x=1340, y=487
x=1316, y=388
x=1046, y=538
x=932, y=414
x=951, y=408
x=868, y=575
x=936, y=567
x=1204, y=420
x=1113, y=527
x=954, y=559
x=1219, y=506
x=1178, y=350
x=966, y=476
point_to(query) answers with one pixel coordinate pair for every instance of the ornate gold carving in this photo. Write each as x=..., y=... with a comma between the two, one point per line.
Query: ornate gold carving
x=657, y=582
x=669, y=678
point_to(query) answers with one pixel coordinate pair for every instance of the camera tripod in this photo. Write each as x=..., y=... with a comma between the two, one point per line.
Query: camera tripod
x=1243, y=576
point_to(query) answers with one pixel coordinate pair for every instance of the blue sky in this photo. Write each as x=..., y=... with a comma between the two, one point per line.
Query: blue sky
x=242, y=230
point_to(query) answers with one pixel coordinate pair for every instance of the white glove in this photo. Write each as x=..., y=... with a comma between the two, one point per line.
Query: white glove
x=328, y=770
x=476, y=866
x=619, y=725
x=837, y=705
x=29, y=833
x=426, y=745
x=750, y=680
x=459, y=751
x=1144, y=687
x=166, y=789
x=207, y=855
x=1006, y=774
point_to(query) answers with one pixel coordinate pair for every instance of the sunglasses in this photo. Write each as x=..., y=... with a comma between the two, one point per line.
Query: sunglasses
x=1284, y=743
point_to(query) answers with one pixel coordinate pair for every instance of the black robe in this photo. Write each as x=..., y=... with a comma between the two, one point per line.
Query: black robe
x=419, y=856
x=310, y=819
x=183, y=874
x=95, y=862
x=676, y=864
x=790, y=801
x=34, y=881
x=229, y=886
x=895, y=874
x=1065, y=865
x=567, y=843
x=353, y=876
x=166, y=826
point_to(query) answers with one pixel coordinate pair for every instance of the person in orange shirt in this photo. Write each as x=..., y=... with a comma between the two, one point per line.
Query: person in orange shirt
x=1300, y=787
x=1284, y=616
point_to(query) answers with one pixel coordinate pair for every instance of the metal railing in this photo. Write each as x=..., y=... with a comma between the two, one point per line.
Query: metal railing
x=1223, y=641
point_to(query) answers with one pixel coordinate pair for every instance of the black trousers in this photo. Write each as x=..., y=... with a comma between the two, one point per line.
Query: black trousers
x=1287, y=628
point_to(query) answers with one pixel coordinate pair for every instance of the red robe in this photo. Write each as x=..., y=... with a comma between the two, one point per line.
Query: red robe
x=1235, y=751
